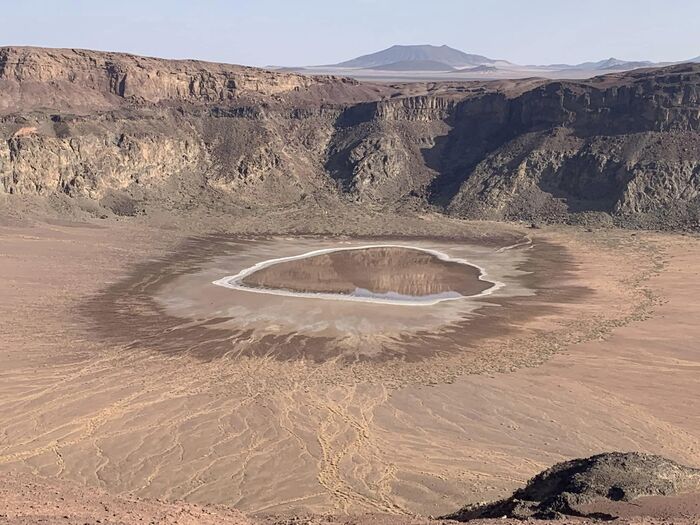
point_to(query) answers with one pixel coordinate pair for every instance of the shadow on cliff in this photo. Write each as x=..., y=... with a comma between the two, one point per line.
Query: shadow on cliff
x=478, y=127
x=352, y=125
x=487, y=135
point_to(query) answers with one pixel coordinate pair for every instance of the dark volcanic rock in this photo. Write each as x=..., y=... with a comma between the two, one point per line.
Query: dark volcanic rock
x=613, y=476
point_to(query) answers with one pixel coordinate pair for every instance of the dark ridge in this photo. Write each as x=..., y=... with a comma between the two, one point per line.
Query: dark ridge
x=614, y=476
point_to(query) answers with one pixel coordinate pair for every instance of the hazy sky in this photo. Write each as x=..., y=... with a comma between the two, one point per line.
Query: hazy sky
x=305, y=32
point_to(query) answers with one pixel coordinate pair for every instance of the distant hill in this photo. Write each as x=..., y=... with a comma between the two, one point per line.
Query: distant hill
x=428, y=62
x=614, y=63
x=429, y=58
x=418, y=56
x=609, y=64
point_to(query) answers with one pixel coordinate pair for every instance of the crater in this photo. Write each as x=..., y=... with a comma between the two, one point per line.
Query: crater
x=276, y=299
x=383, y=273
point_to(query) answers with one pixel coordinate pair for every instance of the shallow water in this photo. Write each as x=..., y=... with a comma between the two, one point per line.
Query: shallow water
x=379, y=273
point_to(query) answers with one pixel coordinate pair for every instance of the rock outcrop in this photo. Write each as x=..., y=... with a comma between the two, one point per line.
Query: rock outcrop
x=614, y=476
x=110, y=127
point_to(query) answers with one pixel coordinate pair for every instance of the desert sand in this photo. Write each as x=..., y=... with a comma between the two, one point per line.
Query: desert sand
x=26, y=500
x=604, y=359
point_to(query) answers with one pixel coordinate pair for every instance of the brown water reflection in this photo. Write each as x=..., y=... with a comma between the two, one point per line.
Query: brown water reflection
x=371, y=271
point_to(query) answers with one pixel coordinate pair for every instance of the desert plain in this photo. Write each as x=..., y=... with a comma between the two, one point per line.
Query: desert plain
x=106, y=384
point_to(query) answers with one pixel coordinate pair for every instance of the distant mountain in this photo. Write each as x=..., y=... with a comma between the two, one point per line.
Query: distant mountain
x=419, y=56
x=610, y=64
x=414, y=65
x=614, y=63
x=428, y=62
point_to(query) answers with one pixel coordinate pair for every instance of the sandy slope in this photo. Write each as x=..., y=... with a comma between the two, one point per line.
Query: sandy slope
x=26, y=500
x=268, y=436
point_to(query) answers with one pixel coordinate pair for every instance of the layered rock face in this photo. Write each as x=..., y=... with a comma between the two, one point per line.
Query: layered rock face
x=133, y=133
x=138, y=79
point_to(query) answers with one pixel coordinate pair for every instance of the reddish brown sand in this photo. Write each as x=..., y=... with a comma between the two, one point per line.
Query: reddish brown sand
x=615, y=369
x=28, y=500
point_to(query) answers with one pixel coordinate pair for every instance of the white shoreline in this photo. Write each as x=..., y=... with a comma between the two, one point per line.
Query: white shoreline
x=234, y=281
x=526, y=242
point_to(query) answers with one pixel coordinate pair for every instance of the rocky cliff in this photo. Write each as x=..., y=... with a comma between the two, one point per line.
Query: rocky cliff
x=131, y=134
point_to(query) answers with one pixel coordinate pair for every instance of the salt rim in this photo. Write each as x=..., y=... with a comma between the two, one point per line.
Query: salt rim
x=234, y=282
